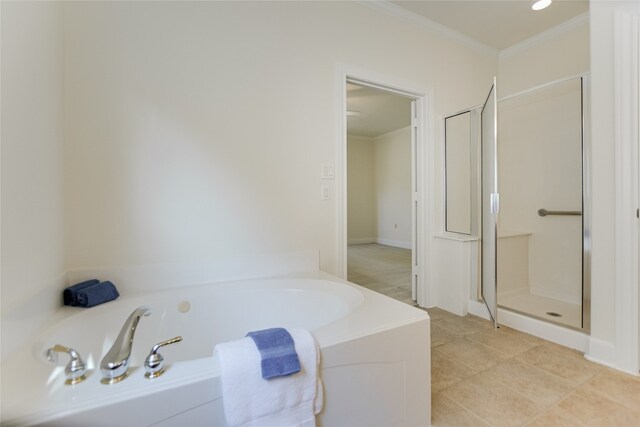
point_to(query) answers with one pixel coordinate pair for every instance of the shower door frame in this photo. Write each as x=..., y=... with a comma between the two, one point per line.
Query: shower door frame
x=586, y=199
x=493, y=207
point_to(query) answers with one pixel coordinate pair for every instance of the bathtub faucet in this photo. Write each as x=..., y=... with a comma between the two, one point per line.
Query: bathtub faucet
x=115, y=363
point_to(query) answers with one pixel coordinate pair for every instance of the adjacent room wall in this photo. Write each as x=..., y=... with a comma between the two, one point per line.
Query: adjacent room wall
x=392, y=160
x=361, y=197
x=379, y=189
x=33, y=258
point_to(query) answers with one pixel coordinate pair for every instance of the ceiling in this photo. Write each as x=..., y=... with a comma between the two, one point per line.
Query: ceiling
x=499, y=24
x=378, y=112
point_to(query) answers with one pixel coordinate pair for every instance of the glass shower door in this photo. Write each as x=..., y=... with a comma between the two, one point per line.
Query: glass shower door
x=540, y=235
x=490, y=202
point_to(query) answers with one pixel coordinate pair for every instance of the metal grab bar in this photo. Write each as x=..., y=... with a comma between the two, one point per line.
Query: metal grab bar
x=544, y=212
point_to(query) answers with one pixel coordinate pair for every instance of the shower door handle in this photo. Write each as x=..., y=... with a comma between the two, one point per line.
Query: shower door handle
x=544, y=212
x=494, y=200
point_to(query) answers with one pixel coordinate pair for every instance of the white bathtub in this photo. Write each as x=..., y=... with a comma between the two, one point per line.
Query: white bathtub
x=375, y=355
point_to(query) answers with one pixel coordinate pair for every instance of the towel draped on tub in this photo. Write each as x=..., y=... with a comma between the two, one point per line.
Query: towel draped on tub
x=286, y=401
x=278, y=355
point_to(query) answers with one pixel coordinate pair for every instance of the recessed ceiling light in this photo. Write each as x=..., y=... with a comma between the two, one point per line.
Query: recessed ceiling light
x=540, y=4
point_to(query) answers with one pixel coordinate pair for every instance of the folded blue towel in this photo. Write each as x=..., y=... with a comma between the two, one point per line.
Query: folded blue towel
x=94, y=294
x=69, y=294
x=277, y=352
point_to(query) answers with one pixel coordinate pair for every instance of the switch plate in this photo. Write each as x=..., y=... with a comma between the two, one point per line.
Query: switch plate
x=327, y=171
x=324, y=192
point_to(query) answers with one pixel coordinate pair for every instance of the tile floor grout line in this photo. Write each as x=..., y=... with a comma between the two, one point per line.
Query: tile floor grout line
x=475, y=371
x=490, y=348
x=510, y=355
x=567, y=382
x=469, y=410
x=542, y=405
x=553, y=373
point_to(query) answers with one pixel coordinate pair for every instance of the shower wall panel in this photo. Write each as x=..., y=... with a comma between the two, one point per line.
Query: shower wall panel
x=540, y=165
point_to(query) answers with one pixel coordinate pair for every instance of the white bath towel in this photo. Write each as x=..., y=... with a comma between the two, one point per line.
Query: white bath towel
x=251, y=401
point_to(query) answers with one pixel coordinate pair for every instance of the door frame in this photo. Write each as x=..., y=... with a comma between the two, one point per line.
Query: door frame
x=423, y=124
x=626, y=92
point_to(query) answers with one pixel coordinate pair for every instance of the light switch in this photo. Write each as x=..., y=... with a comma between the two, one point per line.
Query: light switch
x=327, y=171
x=324, y=192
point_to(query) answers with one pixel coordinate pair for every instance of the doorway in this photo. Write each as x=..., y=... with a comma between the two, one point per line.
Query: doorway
x=379, y=205
x=397, y=224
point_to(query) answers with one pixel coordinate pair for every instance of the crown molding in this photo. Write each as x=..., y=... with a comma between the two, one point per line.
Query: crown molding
x=432, y=26
x=544, y=36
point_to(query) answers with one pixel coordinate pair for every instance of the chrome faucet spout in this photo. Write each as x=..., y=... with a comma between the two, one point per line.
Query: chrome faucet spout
x=115, y=363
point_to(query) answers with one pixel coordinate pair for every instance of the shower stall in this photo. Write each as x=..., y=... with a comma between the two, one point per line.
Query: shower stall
x=528, y=207
x=542, y=235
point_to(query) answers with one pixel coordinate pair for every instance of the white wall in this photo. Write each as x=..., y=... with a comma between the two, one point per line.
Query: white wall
x=379, y=189
x=361, y=197
x=32, y=164
x=392, y=160
x=192, y=131
x=610, y=319
x=558, y=53
x=602, y=176
x=197, y=130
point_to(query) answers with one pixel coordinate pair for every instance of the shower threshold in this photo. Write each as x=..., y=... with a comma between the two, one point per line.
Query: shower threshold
x=551, y=310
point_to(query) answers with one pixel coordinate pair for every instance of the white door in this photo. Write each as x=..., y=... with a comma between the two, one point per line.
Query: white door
x=414, y=199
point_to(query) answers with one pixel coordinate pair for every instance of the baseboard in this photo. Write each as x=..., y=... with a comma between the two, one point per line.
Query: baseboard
x=478, y=308
x=394, y=243
x=605, y=353
x=362, y=241
x=602, y=352
x=380, y=241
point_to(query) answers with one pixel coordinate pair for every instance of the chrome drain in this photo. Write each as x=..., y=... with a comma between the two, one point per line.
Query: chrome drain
x=554, y=314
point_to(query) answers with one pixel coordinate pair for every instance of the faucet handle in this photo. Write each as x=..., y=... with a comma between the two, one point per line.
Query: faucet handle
x=154, y=363
x=75, y=370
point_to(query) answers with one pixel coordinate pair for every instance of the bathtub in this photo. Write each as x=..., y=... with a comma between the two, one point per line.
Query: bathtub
x=374, y=350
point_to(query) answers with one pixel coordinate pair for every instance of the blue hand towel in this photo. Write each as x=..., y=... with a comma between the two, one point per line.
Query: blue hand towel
x=95, y=294
x=277, y=352
x=69, y=295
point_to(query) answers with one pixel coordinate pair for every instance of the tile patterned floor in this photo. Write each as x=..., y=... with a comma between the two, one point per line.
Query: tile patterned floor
x=486, y=377
x=481, y=376
x=384, y=269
